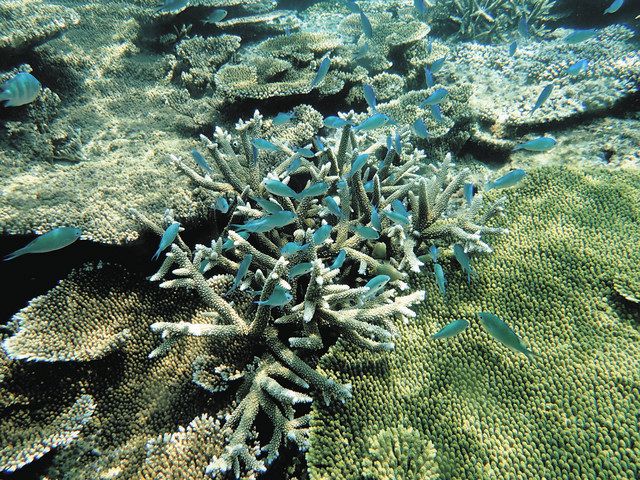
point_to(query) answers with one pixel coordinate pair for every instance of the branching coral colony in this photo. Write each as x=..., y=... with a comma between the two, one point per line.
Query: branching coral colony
x=311, y=240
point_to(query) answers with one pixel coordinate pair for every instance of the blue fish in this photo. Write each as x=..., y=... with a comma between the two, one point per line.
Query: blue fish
x=437, y=113
x=352, y=6
x=397, y=143
x=420, y=128
x=55, y=239
x=374, y=285
x=508, y=180
x=375, y=219
x=396, y=217
x=339, y=261
x=262, y=144
x=200, y=160
x=20, y=90
x=318, y=143
x=540, y=144
x=389, y=143
x=279, y=297
x=361, y=51
x=305, y=152
x=282, y=118
x=241, y=273
x=440, y=280
x=375, y=121
x=294, y=165
x=366, y=25
x=268, y=222
x=512, y=48
x=435, y=98
x=357, y=164
x=451, y=330
x=428, y=77
x=323, y=69
x=438, y=64
x=314, y=190
x=222, y=205
x=215, y=16
x=335, y=122
x=544, y=94
x=292, y=248
x=267, y=205
x=167, y=239
x=333, y=207
x=434, y=252
x=276, y=187
x=300, y=269
x=172, y=6
x=578, y=36
x=367, y=233
x=420, y=6
x=464, y=260
x=614, y=7
x=228, y=243
x=578, y=67
x=523, y=27
x=370, y=96
x=501, y=332
x=321, y=234
x=469, y=190
x=399, y=207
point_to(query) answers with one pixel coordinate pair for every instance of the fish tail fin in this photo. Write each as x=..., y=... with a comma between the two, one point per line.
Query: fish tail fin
x=17, y=253
x=156, y=255
x=532, y=356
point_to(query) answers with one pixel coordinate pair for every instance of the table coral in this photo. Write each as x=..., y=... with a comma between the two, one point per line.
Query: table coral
x=86, y=381
x=30, y=22
x=489, y=412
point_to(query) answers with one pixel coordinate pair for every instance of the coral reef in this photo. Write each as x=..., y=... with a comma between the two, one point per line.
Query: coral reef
x=400, y=453
x=506, y=87
x=489, y=412
x=84, y=350
x=26, y=23
x=329, y=299
x=489, y=20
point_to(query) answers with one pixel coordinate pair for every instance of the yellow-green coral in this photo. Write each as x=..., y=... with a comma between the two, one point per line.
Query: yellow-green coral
x=400, y=453
x=491, y=413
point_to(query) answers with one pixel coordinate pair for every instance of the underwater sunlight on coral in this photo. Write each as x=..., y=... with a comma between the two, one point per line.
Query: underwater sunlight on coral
x=320, y=239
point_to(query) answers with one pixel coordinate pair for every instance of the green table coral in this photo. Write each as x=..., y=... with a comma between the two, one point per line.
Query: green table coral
x=491, y=413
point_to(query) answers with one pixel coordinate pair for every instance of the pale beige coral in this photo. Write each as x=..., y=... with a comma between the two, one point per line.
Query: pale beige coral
x=29, y=22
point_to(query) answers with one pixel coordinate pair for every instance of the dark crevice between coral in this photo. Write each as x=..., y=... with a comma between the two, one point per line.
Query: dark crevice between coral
x=35, y=274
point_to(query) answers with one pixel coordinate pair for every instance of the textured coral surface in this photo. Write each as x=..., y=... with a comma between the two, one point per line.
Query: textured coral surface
x=489, y=412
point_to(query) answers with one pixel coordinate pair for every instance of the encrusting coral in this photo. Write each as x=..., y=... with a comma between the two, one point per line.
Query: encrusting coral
x=490, y=413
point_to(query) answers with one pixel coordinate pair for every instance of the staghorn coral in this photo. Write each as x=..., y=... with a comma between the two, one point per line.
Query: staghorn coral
x=489, y=20
x=30, y=22
x=331, y=298
x=489, y=412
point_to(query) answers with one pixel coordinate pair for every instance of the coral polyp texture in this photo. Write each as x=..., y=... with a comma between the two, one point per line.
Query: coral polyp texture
x=491, y=413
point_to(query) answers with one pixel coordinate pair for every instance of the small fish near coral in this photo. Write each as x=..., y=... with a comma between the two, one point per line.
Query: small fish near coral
x=20, y=90
x=503, y=333
x=48, y=242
